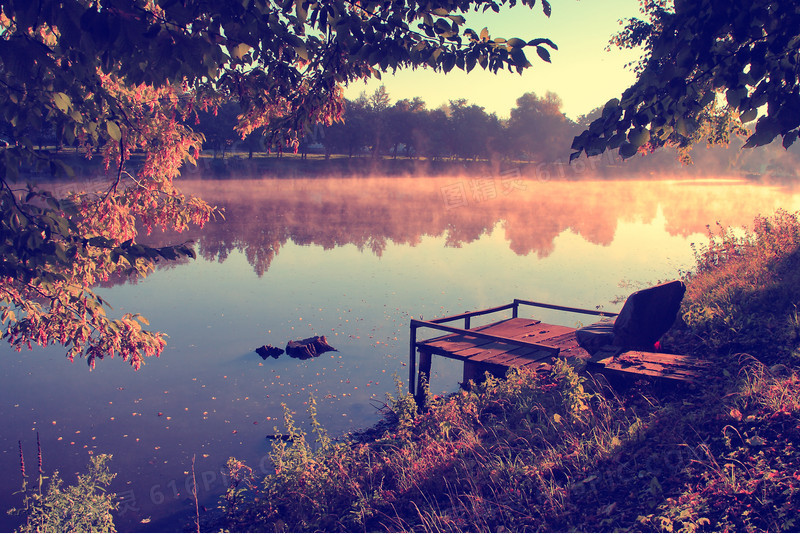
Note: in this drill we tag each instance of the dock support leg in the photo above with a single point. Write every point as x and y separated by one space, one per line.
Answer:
412 359
424 376
472 371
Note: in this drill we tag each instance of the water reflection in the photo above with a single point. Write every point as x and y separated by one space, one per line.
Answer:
261 216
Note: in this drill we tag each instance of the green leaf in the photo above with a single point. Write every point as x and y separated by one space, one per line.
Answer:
516 43
302 52
62 102
639 137
541 41
681 127
240 50
766 130
749 115
519 57
471 61
627 150
113 130
789 139
448 62
616 141
543 53
300 10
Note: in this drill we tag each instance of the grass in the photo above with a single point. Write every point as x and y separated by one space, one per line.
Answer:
743 294
538 452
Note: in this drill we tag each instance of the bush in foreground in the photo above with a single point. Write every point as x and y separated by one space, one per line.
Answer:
83 507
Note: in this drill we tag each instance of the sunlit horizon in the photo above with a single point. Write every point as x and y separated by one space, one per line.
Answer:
582 72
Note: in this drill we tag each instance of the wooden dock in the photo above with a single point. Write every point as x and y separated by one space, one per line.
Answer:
530 343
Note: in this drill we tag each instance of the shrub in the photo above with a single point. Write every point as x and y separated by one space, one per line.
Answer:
502 455
744 291
84 507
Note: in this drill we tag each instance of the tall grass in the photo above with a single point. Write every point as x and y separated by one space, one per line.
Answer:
743 295
505 455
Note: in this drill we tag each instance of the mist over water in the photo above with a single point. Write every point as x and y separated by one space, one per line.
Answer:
351 259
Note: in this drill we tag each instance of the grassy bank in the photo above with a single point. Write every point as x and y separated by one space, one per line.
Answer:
563 452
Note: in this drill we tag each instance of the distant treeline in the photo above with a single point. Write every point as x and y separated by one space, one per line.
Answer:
535 135
537 130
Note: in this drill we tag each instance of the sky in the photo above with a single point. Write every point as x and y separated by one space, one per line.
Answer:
582 73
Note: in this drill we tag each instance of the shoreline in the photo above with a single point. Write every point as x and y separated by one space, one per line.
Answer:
261 165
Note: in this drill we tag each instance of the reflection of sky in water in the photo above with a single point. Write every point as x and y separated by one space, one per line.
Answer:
211 395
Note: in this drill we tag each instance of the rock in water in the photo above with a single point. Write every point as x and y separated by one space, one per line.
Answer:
308 348
268 350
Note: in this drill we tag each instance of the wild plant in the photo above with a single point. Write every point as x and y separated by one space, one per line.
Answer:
743 293
84 507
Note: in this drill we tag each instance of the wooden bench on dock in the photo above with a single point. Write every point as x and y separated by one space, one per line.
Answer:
530 343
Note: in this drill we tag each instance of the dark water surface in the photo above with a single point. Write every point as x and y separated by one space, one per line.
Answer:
353 260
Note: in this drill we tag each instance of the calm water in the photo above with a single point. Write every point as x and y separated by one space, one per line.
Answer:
350 259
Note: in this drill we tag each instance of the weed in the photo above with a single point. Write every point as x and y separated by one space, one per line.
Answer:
84 507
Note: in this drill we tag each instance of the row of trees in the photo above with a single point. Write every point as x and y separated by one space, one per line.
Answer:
536 130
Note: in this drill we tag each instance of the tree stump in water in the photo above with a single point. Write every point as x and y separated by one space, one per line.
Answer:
308 348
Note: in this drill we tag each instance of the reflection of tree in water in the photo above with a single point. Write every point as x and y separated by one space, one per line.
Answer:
262 216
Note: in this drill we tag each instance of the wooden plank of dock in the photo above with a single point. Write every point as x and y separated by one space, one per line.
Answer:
680 367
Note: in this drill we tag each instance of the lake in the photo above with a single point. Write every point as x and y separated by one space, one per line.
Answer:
351 259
